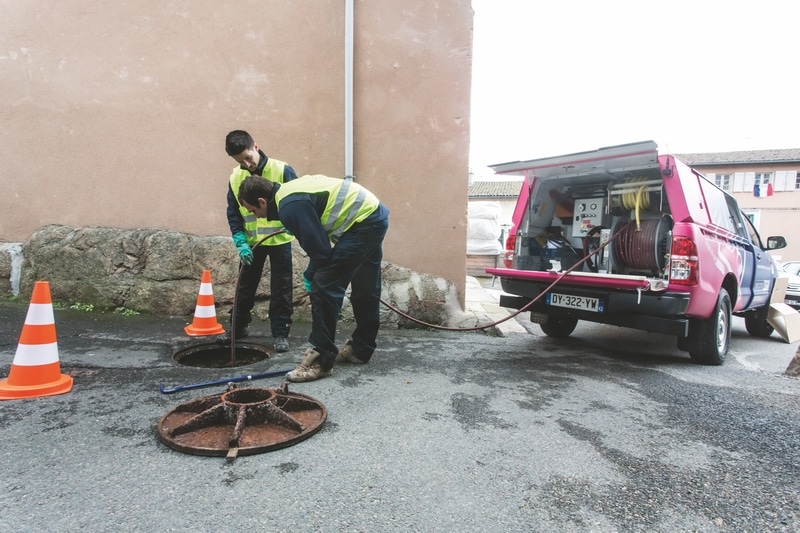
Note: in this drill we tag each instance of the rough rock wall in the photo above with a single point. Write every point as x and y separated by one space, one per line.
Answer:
157 271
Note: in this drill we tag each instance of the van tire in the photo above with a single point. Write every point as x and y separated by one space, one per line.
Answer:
709 339
756 323
559 327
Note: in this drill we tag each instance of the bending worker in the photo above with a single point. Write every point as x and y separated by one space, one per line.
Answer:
247 231
341 226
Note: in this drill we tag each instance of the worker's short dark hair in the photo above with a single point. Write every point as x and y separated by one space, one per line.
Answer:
253 188
237 142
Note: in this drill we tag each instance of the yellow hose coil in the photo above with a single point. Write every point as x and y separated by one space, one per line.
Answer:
636 200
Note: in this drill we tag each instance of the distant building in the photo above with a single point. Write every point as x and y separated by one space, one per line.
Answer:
766 183
502 194
505 192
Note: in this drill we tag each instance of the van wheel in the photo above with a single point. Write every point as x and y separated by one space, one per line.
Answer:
757 325
559 327
709 339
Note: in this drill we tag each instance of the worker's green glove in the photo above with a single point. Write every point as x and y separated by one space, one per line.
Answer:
306 283
245 253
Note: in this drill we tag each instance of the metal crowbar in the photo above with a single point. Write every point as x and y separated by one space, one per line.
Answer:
222 381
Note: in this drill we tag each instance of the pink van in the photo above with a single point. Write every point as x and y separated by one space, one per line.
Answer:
625 236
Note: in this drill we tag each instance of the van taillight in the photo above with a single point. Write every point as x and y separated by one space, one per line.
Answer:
508 256
683 267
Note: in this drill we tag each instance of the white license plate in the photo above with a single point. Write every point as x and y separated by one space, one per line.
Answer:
575 302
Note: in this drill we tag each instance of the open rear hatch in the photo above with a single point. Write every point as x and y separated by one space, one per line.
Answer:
615 161
575 203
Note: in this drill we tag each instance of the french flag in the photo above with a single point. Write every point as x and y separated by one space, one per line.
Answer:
762 190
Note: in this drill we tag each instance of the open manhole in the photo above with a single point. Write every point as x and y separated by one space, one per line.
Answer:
242 421
220 355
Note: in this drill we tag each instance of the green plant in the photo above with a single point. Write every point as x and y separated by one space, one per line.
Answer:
87 308
124 311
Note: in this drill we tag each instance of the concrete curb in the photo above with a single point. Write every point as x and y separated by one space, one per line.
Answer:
484 303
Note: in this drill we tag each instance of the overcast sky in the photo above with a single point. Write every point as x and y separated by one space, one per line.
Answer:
555 77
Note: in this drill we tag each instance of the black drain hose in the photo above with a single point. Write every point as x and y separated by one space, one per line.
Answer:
391 307
512 315
422 322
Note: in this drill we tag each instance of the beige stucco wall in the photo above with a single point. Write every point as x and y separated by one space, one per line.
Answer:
114 113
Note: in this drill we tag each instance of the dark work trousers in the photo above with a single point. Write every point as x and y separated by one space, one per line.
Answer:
356 261
280 283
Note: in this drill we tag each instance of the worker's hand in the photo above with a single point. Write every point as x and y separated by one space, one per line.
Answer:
245 253
306 283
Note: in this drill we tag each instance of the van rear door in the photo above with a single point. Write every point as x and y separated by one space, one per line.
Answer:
633 157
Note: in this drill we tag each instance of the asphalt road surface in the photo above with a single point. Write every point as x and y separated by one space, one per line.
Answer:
609 430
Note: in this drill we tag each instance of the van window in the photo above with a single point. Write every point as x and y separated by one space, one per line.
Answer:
717 203
753 233
737 217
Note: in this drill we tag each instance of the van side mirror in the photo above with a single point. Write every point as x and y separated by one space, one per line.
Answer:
775 242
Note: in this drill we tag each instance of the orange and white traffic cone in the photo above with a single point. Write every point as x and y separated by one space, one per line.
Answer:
205 314
36 371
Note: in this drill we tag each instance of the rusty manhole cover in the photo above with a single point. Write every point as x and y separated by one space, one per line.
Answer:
220 355
242 421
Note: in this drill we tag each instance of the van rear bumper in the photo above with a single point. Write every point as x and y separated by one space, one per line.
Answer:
657 312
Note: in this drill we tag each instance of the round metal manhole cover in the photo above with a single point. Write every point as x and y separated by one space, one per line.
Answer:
220 355
242 421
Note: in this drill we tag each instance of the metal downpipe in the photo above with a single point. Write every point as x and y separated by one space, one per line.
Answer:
348 90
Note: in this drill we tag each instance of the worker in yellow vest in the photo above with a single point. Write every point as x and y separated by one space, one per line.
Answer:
341 226
247 231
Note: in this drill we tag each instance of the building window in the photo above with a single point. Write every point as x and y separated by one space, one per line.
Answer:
723 181
797 181
763 178
754 215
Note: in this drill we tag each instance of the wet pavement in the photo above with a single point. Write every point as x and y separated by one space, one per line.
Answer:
440 432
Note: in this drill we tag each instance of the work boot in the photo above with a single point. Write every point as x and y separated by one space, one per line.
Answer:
308 369
281 344
241 334
346 354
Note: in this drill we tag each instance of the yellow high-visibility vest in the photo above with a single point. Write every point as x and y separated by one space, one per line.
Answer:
257 228
348 202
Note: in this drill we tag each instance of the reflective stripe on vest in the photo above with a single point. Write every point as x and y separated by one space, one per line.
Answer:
258 228
348 202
